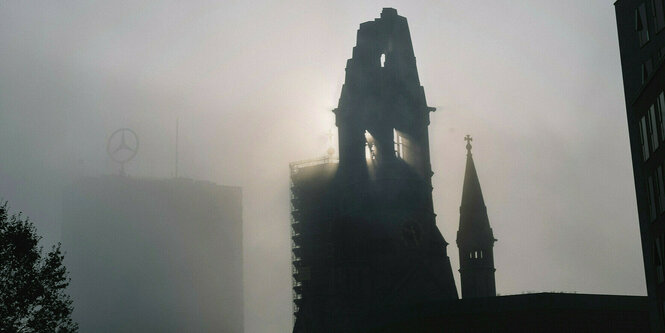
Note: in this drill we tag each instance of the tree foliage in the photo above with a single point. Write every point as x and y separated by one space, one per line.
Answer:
32 285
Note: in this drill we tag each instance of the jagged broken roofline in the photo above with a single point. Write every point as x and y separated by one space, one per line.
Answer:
295 166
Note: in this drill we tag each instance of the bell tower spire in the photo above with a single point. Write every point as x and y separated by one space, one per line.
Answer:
475 239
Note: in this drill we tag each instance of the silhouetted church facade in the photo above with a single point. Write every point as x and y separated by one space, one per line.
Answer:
367 254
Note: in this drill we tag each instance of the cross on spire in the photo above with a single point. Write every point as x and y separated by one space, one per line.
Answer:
468 140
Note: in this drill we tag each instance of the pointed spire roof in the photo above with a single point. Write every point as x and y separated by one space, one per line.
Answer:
472 195
473 213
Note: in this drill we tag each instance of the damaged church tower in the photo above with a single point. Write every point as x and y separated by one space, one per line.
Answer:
366 244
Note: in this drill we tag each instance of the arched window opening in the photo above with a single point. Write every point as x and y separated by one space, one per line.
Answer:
398 141
383 59
370 147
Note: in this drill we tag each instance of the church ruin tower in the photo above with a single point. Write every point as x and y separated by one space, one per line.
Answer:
366 246
382 114
386 236
475 239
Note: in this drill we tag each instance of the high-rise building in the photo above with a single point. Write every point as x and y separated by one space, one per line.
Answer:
377 249
154 255
475 238
641 32
312 218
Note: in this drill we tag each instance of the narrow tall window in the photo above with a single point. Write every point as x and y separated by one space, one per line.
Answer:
644 138
398 140
641 24
654 128
661 189
647 67
658 14
660 111
383 59
658 259
652 199
656 194
370 147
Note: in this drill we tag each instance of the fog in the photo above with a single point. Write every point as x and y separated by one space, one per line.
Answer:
536 83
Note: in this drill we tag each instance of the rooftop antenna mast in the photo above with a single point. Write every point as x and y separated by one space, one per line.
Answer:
176 145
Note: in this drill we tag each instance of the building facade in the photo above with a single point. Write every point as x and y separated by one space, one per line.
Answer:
640 26
312 216
154 255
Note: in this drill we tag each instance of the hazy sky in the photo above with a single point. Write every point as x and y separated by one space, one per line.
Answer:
536 83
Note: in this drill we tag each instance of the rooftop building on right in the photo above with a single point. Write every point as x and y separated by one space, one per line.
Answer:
641 29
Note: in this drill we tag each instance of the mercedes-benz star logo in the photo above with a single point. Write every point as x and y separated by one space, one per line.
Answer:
122 146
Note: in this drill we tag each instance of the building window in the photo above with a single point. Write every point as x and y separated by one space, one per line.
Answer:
660 54
654 128
641 24
644 138
660 112
398 141
369 153
652 199
661 189
658 14
657 190
370 146
647 67
658 259
383 59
